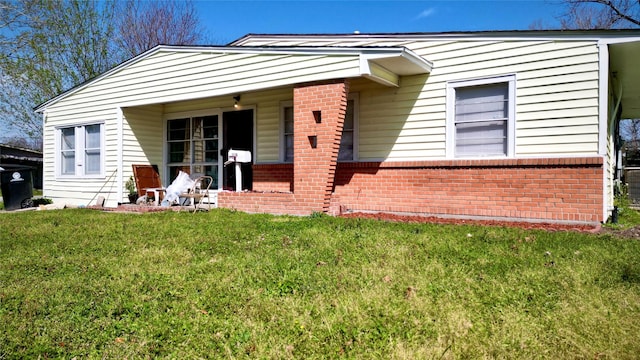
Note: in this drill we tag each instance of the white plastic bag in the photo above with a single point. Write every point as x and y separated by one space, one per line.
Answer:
181 184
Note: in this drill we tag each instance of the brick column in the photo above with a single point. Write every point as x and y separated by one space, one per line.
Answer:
319 111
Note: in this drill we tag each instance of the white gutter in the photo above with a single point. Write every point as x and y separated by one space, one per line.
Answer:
603 128
603 96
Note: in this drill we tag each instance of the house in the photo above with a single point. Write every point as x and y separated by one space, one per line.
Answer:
510 124
18 157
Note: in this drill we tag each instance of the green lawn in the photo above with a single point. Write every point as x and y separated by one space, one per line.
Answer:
86 284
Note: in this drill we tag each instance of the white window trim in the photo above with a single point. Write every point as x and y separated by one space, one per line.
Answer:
79 152
165 143
451 112
355 97
282 150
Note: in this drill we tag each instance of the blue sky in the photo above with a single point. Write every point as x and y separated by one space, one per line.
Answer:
226 21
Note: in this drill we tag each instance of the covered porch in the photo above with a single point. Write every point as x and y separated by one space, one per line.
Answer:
243 110
624 105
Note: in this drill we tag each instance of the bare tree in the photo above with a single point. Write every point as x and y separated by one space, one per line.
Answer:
49 46
601 14
145 24
630 133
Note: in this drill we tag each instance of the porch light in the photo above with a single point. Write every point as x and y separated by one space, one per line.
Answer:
237 100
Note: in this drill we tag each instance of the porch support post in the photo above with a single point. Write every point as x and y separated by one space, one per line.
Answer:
119 144
319 112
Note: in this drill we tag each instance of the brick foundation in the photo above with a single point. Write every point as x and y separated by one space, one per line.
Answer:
558 189
273 177
551 189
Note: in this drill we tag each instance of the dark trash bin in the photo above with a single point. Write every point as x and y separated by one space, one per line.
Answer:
17 188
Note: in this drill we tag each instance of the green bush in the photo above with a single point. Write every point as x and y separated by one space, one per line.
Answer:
41 201
627 216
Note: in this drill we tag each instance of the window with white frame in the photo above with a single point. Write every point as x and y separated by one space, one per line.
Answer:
80 150
287 131
481 117
348 141
349 131
192 146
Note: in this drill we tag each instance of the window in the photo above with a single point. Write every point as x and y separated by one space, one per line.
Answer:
80 150
192 146
480 117
287 131
348 141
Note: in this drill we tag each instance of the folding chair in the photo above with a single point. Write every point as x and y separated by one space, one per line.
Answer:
199 192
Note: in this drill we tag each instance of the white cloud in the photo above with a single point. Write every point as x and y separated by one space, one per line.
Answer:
426 13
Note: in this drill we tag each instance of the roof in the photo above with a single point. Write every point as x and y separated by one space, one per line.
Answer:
542 34
18 153
382 64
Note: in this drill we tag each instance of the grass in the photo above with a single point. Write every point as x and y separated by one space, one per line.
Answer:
87 284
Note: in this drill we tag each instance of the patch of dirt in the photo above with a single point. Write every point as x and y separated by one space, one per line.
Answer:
131 208
438 220
631 233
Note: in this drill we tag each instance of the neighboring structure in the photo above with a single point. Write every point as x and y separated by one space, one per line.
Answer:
490 124
16 157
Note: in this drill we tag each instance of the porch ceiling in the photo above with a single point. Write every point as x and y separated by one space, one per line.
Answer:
624 60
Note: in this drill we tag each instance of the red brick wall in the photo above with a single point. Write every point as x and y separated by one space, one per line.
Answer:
312 174
568 189
262 202
273 177
314 168
551 189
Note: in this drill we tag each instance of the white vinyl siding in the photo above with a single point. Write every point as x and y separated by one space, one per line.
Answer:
268 117
556 103
169 76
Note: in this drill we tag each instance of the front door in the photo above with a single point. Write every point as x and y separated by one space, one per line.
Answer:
237 134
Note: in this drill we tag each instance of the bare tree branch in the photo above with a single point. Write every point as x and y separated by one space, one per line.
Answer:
144 25
622 12
601 14
49 46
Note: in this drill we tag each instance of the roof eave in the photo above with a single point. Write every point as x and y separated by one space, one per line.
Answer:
403 61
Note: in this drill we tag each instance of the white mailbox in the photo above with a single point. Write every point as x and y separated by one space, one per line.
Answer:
238 157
